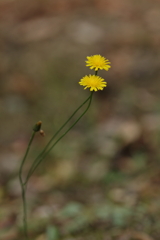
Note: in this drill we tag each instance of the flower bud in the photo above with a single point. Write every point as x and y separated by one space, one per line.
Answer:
37 126
42 133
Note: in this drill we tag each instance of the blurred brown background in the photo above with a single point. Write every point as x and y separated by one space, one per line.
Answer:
102 180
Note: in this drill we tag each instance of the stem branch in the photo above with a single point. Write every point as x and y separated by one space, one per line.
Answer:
23 188
38 161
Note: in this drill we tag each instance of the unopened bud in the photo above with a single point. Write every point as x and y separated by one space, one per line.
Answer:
42 133
37 126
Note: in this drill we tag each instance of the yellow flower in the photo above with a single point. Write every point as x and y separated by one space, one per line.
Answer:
93 82
97 62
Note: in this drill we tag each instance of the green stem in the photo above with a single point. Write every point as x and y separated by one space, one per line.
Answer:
40 156
34 166
25 225
23 187
24 158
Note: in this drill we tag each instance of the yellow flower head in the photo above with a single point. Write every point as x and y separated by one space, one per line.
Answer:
93 82
97 62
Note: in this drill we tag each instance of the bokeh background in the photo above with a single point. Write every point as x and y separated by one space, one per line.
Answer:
102 181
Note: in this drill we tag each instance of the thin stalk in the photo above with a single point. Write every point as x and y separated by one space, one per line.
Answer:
23 187
25 224
46 153
40 156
